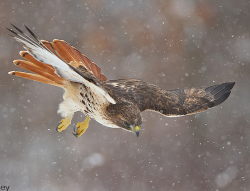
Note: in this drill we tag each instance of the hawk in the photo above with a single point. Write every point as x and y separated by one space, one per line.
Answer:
113 103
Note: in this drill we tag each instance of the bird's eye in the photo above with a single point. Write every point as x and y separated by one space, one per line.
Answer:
126 123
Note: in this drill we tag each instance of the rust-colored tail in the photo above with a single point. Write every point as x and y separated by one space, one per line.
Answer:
43 57
43 72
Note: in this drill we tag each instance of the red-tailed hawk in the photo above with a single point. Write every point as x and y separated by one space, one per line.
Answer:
114 103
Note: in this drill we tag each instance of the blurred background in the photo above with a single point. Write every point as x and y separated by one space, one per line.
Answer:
174 44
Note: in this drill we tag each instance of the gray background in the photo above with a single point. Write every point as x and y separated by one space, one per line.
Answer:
173 44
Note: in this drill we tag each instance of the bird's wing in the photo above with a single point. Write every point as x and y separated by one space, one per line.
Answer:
56 62
194 100
171 102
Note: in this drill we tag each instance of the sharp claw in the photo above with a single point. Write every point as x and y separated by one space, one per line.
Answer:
74 131
75 134
74 128
58 126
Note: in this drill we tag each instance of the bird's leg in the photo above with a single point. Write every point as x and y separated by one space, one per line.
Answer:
81 127
64 123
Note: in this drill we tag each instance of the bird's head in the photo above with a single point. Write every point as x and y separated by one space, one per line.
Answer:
126 116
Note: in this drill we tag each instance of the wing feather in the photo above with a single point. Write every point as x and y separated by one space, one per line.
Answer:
171 102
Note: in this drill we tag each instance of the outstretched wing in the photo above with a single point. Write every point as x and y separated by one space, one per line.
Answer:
195 100
57 62
171 102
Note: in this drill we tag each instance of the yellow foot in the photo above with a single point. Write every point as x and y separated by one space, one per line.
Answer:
63 124
80 128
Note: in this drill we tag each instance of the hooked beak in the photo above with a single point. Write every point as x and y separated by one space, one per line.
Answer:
137 133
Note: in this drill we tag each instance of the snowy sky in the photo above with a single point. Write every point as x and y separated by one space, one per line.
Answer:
174 44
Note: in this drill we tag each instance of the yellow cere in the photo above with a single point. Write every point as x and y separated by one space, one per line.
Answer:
137 128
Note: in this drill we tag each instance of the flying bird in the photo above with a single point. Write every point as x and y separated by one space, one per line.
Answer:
113 103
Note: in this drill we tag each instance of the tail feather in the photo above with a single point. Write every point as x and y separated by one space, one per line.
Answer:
65 49
93 66
75 58
40 52
51 48
40 71
49 69
58 54
35 77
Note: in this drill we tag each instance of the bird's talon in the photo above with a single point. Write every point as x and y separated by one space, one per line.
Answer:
80 128
63 124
